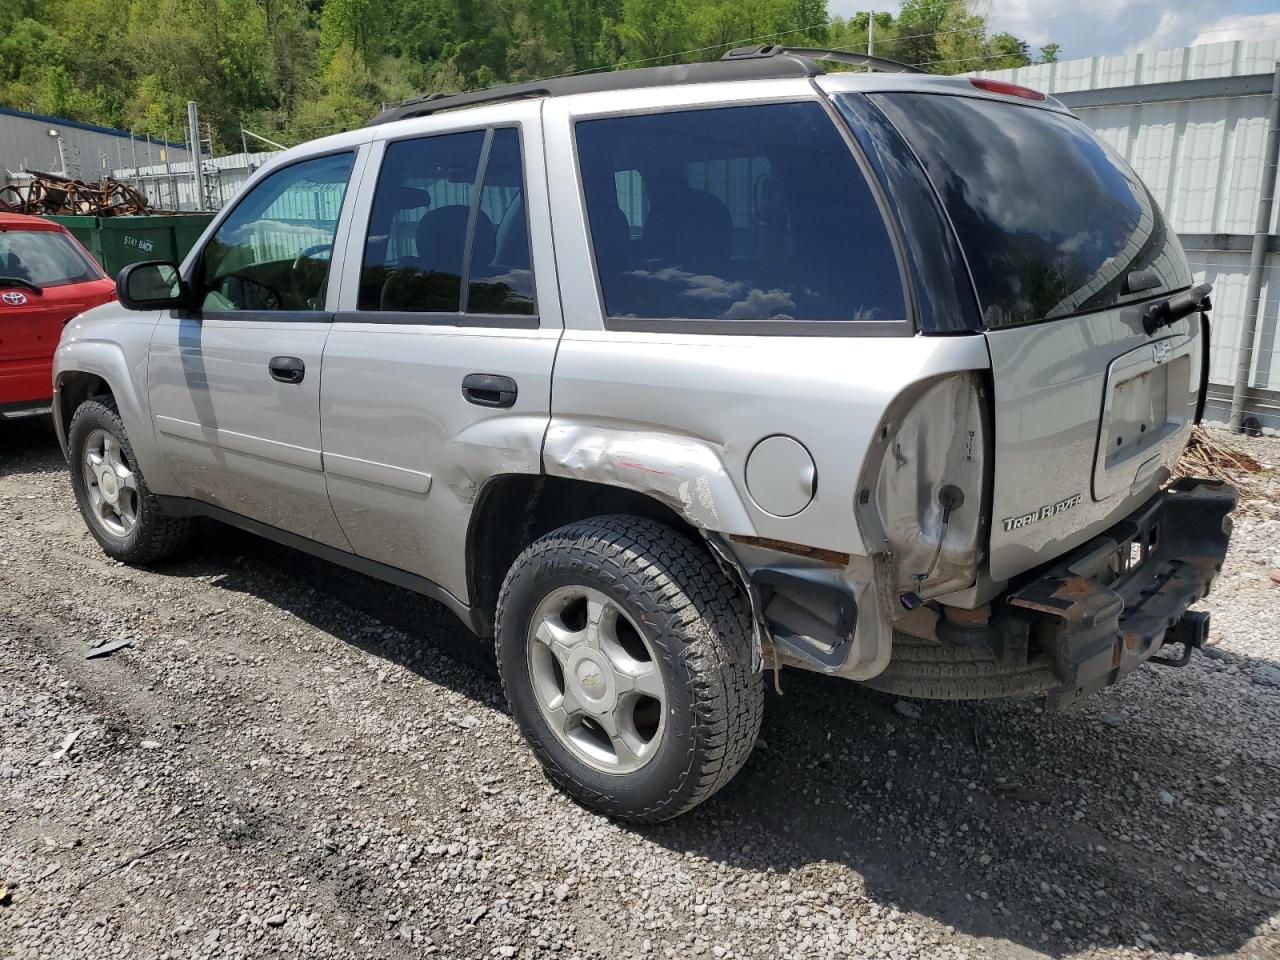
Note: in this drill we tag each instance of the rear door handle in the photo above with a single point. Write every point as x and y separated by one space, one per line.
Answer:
489 390
287 369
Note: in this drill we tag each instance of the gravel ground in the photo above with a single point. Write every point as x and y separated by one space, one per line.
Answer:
291 760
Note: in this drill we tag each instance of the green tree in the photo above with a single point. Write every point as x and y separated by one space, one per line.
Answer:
299 68
918 27
358 24
1004 51
653 31
347 97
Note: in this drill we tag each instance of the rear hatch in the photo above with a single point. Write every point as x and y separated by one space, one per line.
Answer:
1066 248
46 278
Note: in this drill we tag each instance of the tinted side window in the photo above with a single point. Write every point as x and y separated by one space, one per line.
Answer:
416 249
272 252
735 213
425 208
501 278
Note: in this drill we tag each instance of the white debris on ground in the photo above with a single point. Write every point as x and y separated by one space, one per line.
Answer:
292 761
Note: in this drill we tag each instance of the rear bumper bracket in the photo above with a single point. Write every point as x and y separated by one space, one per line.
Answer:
1116 601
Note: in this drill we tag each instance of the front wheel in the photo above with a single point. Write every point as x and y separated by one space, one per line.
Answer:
625 655
121 513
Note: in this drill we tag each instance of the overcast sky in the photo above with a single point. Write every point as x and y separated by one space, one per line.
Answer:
1086 28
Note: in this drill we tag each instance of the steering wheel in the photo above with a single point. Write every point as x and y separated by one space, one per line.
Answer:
310 252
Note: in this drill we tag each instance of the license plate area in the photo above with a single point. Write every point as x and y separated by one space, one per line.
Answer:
1139 411
1148 406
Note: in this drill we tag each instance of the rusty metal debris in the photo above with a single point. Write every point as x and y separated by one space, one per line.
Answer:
49 194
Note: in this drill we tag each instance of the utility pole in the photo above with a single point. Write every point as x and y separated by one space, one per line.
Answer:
197 166
1257 259
871 34
168 173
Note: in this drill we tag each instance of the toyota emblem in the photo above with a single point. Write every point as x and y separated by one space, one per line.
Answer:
13 298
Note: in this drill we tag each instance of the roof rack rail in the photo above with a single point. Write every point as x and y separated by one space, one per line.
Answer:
878 64
744 63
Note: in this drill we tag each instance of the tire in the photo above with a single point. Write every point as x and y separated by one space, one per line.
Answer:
152 535
695 625
931 670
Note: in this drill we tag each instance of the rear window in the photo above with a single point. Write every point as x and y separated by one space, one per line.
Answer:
1053 222
44 257
753 213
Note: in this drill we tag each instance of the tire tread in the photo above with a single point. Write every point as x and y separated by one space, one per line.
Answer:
637 554
160 536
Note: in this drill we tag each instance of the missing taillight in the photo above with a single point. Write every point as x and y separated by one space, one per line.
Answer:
1007 89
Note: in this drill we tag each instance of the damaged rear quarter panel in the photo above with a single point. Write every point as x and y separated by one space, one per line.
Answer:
675 416
684 473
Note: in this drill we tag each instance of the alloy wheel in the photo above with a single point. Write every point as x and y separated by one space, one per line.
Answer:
596 679
111 484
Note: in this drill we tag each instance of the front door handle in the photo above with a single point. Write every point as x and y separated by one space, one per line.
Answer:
287 369
489 390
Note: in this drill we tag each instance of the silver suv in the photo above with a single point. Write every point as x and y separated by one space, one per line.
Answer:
665 377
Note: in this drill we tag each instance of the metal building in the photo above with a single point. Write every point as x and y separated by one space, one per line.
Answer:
1193 122
171 185
33 141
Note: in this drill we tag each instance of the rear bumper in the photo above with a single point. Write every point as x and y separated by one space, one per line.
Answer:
1111 604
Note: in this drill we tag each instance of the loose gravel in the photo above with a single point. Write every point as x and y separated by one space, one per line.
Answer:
290 760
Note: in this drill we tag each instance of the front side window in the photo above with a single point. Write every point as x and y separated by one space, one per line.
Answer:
46 258
437 243
735 213
273 251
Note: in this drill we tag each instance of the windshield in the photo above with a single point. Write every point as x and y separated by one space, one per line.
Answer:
46 258
1053 222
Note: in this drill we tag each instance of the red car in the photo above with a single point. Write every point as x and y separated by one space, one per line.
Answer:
46 278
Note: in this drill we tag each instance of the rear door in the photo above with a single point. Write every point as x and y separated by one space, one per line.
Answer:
437 372
235 384
1065 246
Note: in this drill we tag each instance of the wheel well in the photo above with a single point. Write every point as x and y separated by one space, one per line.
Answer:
74 389
514 510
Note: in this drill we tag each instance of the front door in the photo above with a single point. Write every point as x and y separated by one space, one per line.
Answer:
235 384
437 372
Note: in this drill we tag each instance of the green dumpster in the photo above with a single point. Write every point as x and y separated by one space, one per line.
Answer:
119 241
84 229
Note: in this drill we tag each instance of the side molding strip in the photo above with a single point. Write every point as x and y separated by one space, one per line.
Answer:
252 446
370 471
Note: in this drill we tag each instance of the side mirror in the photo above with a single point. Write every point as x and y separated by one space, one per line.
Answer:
151 285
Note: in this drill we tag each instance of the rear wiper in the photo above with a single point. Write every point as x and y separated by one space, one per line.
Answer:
1164 313
19 282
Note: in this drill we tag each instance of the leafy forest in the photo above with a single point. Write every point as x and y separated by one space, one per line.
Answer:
296 69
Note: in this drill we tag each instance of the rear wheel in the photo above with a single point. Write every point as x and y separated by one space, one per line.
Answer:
625 655
120 511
